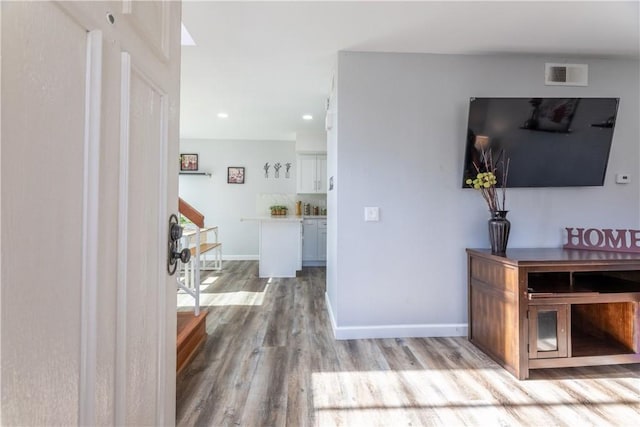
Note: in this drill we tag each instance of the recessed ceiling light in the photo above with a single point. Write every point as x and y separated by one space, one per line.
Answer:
307 117
223 116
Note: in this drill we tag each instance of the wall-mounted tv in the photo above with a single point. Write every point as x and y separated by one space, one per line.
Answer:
550 142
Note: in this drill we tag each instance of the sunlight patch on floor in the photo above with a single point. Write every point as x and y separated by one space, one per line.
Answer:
224 298
360 398
205 283
381 397
209 280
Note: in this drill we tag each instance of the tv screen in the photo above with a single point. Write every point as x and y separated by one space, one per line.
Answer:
550 142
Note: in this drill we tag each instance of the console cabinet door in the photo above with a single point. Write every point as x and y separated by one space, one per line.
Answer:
549 331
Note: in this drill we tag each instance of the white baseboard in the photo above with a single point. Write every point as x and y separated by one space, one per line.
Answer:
400 331
240 257
394 331
314 263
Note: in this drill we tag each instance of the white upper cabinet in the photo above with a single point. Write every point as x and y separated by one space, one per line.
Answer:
312 173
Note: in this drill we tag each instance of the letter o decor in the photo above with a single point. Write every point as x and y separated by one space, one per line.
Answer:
595 239
589 233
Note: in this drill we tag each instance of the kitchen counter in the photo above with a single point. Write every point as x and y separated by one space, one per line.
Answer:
280 245
295 218
287 218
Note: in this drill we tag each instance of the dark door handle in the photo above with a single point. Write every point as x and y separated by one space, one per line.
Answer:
175 233
184 255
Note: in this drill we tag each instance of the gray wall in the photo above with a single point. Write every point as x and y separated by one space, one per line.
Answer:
399 145
224 204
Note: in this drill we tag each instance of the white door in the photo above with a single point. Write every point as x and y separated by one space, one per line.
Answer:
89 133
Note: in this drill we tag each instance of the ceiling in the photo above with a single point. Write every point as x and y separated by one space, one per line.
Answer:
266 64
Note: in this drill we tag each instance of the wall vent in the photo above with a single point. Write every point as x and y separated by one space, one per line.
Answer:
566 74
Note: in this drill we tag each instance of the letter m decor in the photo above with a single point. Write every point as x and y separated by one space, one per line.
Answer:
605 239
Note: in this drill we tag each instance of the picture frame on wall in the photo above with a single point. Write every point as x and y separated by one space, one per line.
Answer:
188 162
235 175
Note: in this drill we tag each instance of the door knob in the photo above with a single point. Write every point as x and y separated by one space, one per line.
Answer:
175 233
184 255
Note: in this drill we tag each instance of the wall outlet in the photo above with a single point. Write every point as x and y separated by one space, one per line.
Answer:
371 214
623 178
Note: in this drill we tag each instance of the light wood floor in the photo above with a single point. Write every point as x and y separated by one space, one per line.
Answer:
271 360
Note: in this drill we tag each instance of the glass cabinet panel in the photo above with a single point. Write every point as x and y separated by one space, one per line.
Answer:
548 331
547 339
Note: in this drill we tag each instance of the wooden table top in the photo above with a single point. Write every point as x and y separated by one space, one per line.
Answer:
533 256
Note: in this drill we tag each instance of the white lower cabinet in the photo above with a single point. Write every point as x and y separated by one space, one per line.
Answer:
314 242
322 240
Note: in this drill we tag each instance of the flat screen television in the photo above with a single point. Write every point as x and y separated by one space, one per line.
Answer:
550 142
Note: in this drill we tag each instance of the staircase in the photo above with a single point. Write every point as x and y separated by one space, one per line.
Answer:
191 213
192 330
192 333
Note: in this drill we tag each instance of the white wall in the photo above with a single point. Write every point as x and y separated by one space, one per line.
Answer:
401 131
311 142
224 204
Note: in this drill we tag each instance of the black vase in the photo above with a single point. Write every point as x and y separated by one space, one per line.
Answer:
499 227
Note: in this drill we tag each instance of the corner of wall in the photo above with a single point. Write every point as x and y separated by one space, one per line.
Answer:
332 318
1 205
332 203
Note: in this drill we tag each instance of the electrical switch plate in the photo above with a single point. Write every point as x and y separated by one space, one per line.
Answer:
371 214
623 178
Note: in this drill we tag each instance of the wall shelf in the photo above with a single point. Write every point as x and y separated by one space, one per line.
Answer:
196 173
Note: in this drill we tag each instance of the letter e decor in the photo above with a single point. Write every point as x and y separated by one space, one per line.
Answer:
606 239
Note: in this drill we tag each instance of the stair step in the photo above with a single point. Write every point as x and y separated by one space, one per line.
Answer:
192 333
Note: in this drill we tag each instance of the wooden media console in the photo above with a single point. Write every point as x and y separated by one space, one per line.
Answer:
551 307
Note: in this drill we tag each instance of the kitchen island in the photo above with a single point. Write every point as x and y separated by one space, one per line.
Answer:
280 245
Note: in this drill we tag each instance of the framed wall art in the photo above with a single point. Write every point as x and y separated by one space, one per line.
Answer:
235 175
188 162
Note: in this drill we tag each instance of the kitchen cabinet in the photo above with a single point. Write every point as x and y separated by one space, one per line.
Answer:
314 242
312 173
322 240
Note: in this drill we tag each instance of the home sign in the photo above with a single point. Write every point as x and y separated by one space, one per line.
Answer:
606 239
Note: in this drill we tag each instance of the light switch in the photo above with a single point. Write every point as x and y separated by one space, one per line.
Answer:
371 214
623 178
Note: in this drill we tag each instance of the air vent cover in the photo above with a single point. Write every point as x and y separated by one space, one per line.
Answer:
566 74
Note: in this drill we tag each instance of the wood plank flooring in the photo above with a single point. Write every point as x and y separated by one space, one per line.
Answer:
271 360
